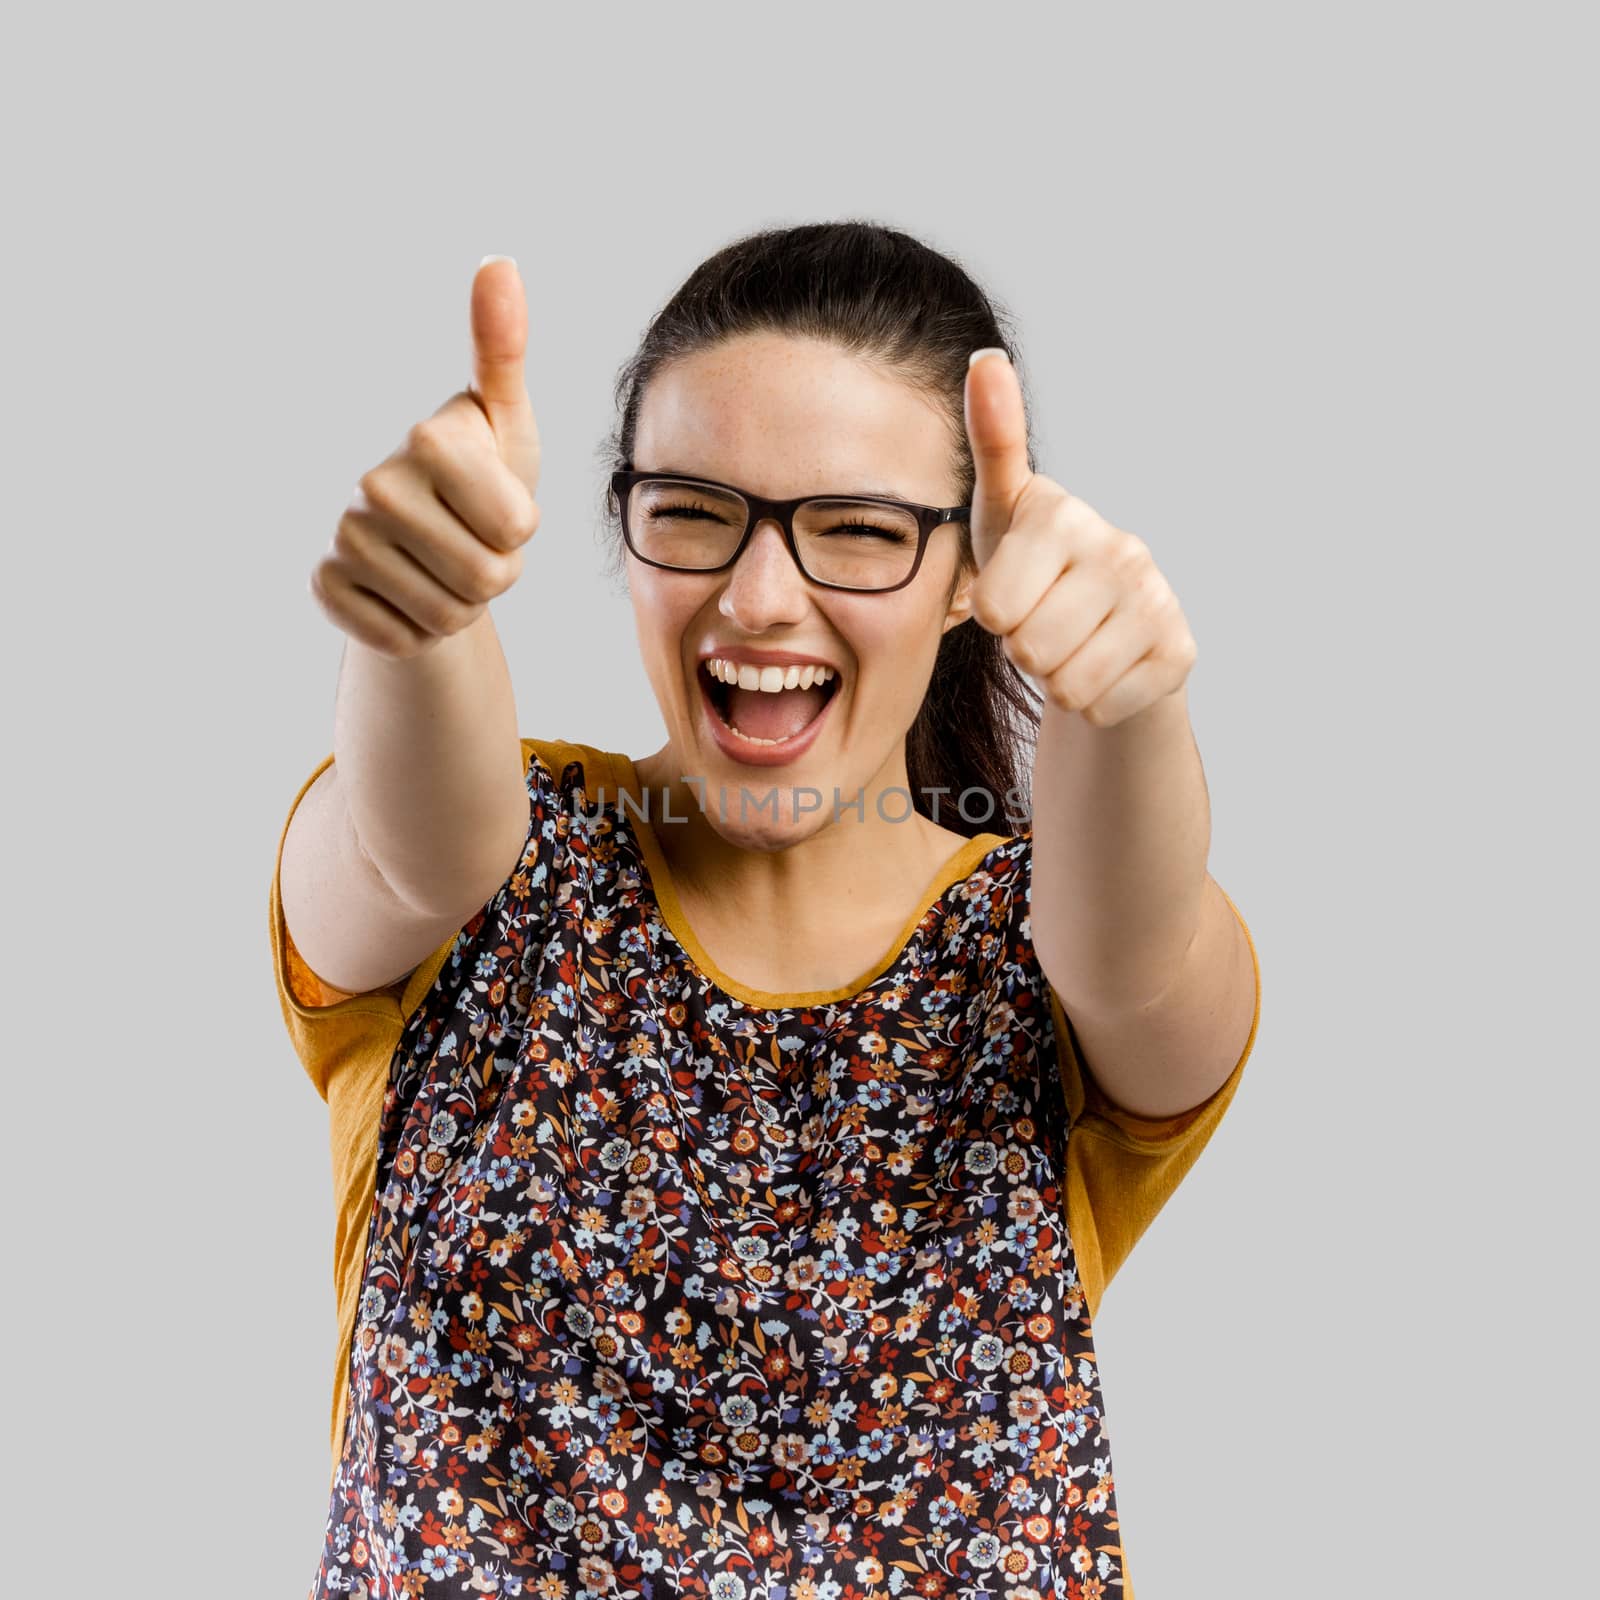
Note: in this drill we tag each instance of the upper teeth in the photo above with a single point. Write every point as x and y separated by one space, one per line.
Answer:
768 679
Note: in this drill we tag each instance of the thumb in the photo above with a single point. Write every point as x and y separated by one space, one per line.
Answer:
499 338
997 430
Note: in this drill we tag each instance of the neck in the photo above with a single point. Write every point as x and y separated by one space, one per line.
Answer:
835 859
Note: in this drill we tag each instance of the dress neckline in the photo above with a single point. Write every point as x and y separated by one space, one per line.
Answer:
625 776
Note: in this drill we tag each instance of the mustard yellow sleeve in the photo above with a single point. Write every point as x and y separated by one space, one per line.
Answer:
1122 1168
345 1043
326 1036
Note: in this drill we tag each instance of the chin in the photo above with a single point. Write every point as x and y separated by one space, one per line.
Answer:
752 807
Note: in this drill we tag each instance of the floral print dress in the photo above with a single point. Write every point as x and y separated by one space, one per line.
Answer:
667 1292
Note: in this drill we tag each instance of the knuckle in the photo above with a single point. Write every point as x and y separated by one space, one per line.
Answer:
513 529
328 591
1153 592
463 411
485 577
1131 557
509 521
318 584
524 520
426 439
377 489
350 538
507 570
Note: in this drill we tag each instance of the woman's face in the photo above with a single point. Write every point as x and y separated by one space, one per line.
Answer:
784 417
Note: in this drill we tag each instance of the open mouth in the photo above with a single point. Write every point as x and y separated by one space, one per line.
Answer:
769 718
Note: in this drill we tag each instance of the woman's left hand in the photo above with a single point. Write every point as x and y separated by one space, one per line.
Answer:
1081 606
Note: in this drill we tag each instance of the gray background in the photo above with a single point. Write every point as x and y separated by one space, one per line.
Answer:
1305 300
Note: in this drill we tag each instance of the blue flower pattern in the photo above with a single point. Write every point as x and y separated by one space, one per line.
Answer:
667 1293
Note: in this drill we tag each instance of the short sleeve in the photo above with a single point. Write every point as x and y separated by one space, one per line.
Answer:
347 1044
1122 1168
328 1027
304 984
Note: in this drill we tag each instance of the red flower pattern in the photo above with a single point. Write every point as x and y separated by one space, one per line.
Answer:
666 1293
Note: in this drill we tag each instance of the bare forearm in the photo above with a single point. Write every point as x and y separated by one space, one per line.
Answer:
1122 831
429 762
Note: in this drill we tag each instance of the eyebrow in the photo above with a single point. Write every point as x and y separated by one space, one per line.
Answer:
886 493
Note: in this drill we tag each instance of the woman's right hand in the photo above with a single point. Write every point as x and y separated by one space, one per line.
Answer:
435 532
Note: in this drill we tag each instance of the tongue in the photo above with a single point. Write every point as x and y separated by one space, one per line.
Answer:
774 716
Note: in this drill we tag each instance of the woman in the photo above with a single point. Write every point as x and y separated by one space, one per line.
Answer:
732 1145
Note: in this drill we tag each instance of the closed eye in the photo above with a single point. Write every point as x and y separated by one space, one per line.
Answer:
892 535
684 513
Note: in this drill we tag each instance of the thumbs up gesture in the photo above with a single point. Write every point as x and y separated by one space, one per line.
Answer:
435 531
1081 606
499 341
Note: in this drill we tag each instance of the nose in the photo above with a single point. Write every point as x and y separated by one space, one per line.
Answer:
765 586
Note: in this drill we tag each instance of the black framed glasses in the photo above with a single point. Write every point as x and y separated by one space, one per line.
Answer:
861 542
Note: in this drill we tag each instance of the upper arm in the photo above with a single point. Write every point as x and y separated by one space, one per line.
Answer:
347 924
1122 1166
1174 1053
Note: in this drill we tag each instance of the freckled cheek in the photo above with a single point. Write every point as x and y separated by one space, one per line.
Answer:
893 659
663 617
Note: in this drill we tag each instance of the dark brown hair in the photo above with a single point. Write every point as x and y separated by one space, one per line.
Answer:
882 295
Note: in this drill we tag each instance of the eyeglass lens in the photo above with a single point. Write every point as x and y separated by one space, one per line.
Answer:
857 543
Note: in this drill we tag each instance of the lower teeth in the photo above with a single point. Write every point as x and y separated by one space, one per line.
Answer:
751 738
